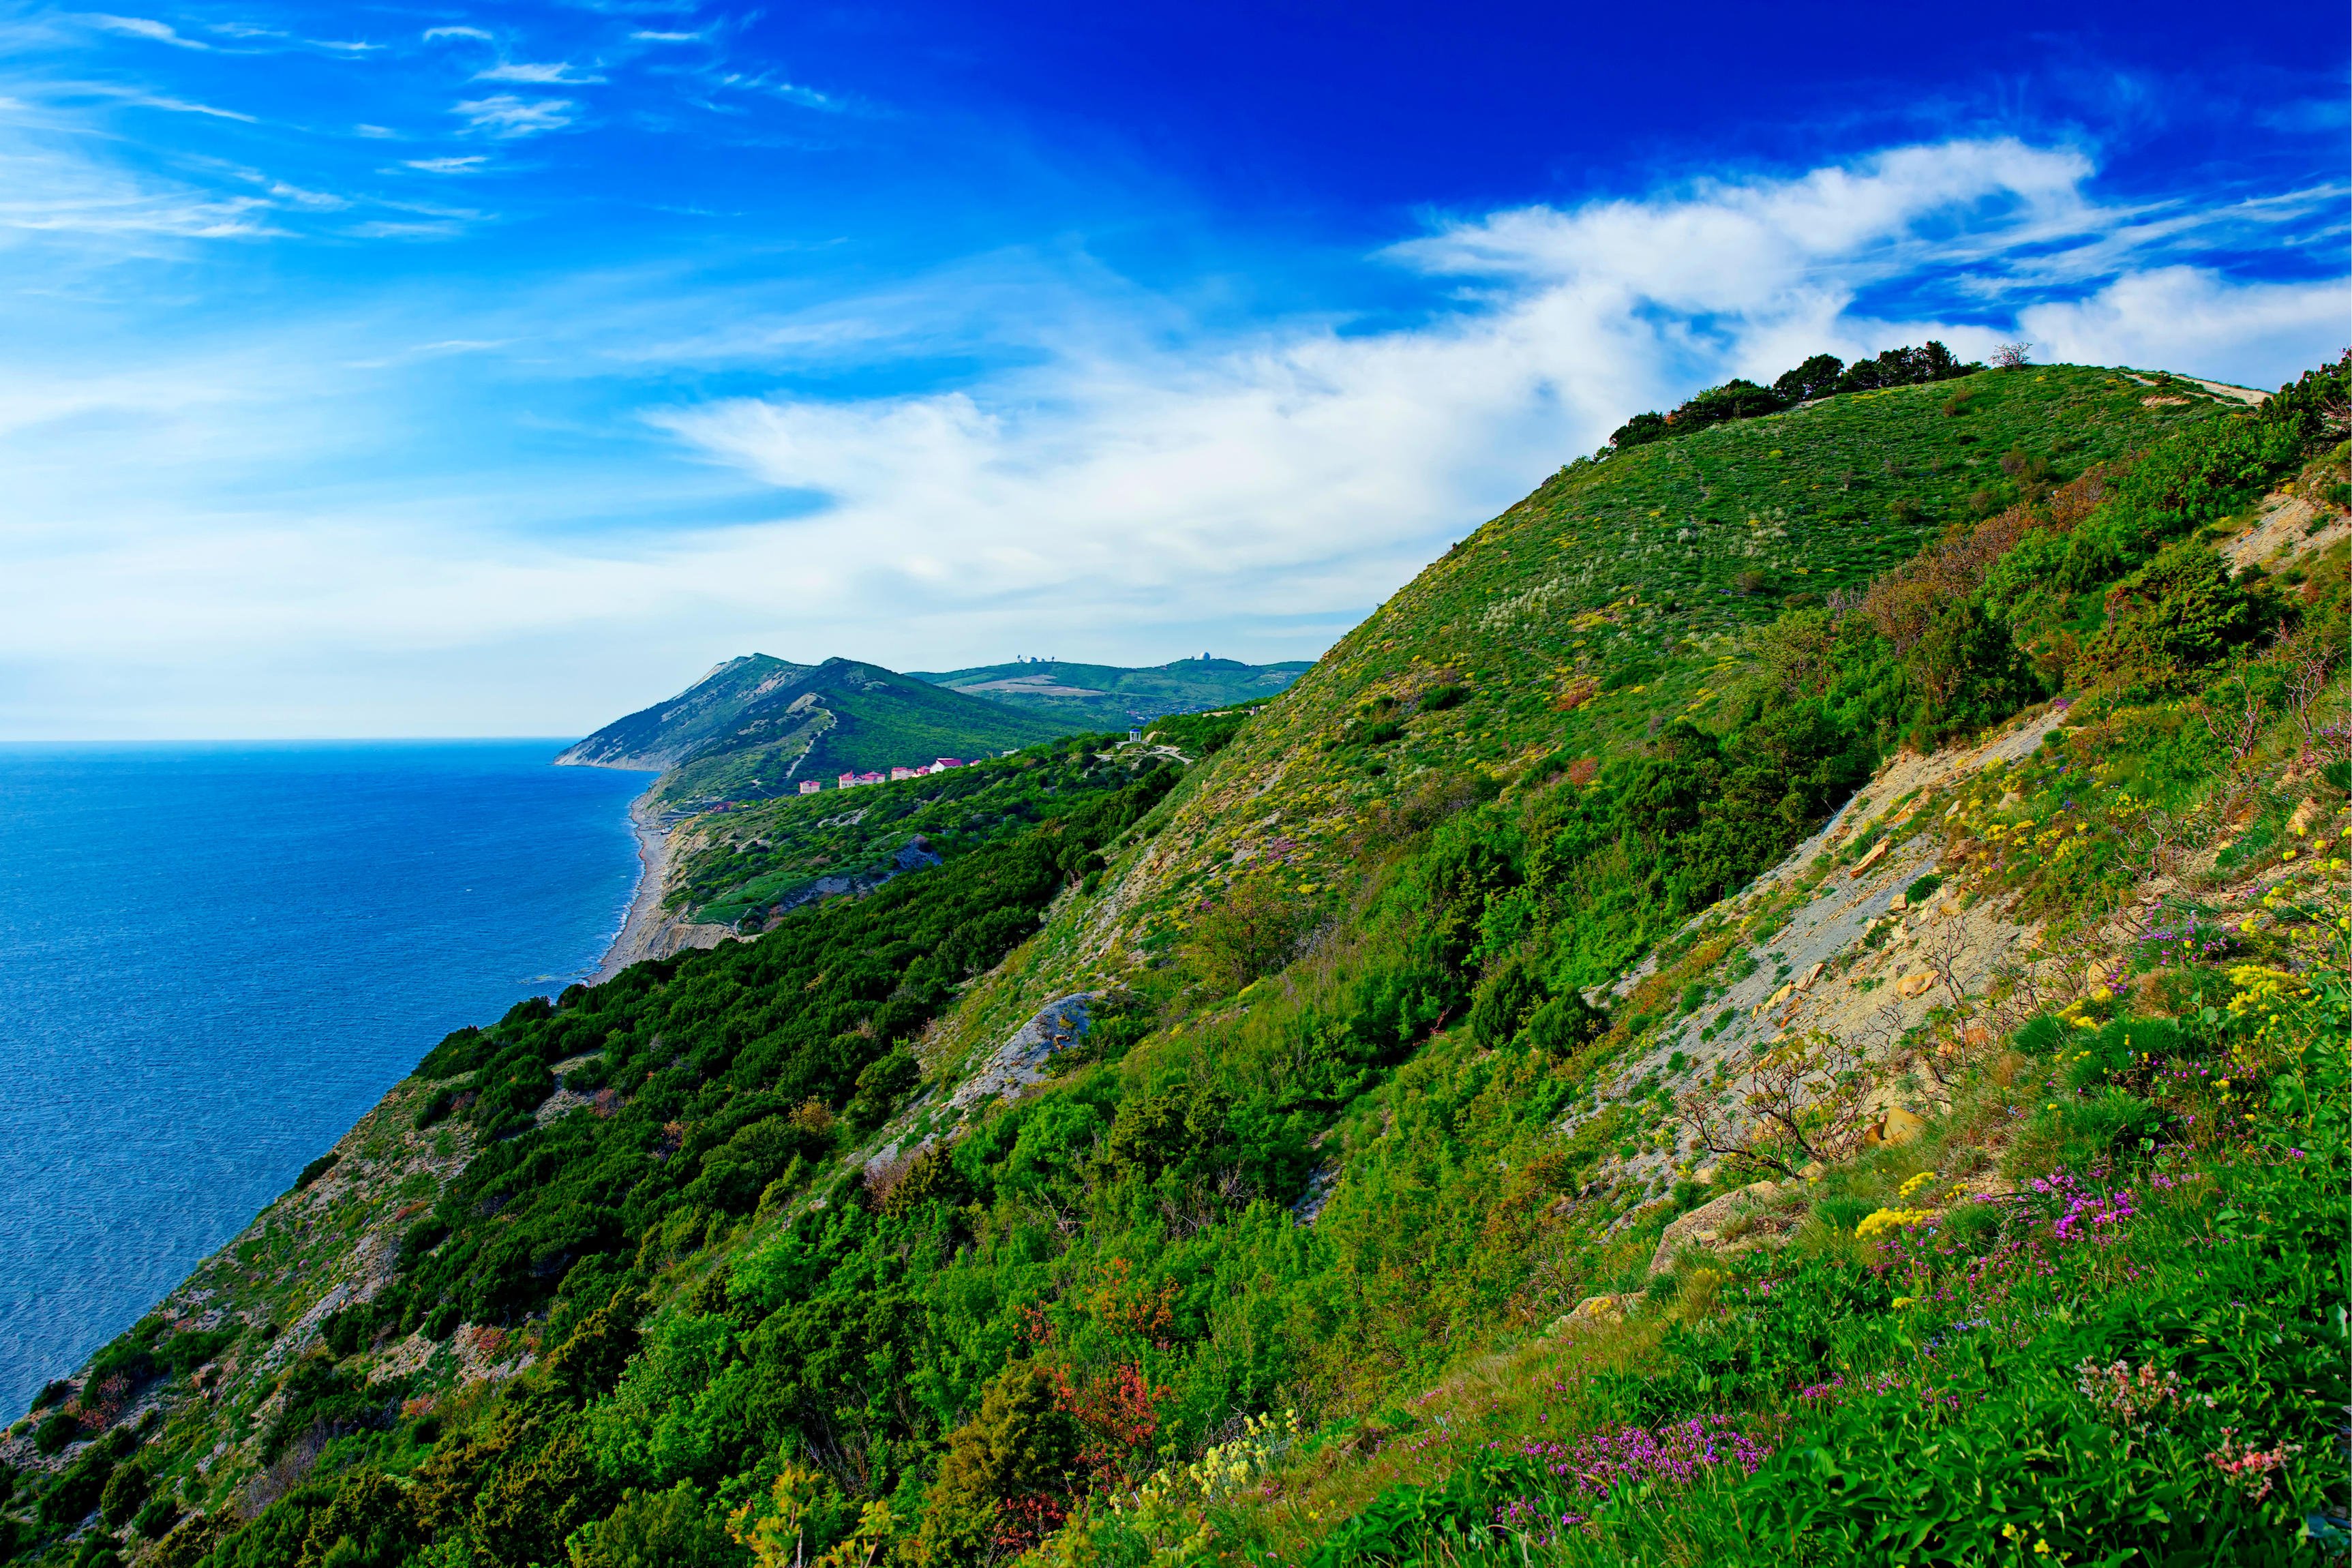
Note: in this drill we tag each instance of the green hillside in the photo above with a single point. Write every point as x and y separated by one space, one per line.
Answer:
1401 1125
753 862
1109 697
656 737
843 716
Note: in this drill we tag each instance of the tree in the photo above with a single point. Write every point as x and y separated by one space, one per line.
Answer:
656 1530
1817 377
1006 1471
1252 931
1510 992
2180 613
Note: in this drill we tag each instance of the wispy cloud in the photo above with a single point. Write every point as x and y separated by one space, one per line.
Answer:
2194 319
182 105
505 115
144 27
312 201
397 228
551 73
60 190
455 32
808 97
448 166
1145 481
441 349
644 36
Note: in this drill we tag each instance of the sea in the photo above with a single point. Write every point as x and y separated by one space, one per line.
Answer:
215 958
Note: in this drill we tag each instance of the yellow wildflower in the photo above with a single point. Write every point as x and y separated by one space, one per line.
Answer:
1891 1219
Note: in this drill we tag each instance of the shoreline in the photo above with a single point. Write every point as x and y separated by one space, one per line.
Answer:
649 931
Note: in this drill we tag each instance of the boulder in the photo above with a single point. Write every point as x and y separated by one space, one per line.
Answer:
1898 1126
1705 1225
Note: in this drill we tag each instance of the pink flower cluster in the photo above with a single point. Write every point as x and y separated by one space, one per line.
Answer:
1597 1464
1837 1391
2247 1467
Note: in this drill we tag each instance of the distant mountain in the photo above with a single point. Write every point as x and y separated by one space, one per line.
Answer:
668 732
1110 697
756 726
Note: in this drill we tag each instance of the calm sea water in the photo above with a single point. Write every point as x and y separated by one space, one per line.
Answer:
213 959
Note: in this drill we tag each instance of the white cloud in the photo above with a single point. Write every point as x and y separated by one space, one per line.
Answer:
396 228
143 27
455 32
555 72
646 38
505 115
59 191
2195 320
182 105
448 166
312 201
1144 487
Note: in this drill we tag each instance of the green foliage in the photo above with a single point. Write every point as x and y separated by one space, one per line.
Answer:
671 1529
764 860
2177 617
1332 1174
1006 1471
846 716
1109 697
1822 375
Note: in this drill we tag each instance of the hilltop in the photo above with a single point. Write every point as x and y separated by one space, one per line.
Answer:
1781 1002
756 726
705 713
1109 697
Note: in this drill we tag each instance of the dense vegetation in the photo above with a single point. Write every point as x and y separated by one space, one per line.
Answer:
751 862
1109 697
1822 375
844 716
1260 1274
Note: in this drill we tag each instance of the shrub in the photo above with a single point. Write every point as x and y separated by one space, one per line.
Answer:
1252 931
880 1087
671 1529
2178 615
1006 1470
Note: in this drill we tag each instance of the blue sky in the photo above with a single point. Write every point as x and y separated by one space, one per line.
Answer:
441 370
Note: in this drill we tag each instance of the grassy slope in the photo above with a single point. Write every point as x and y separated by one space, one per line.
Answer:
844 716
1590 610
1444 1239
767 853
2147 1186
1112 697
711 708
